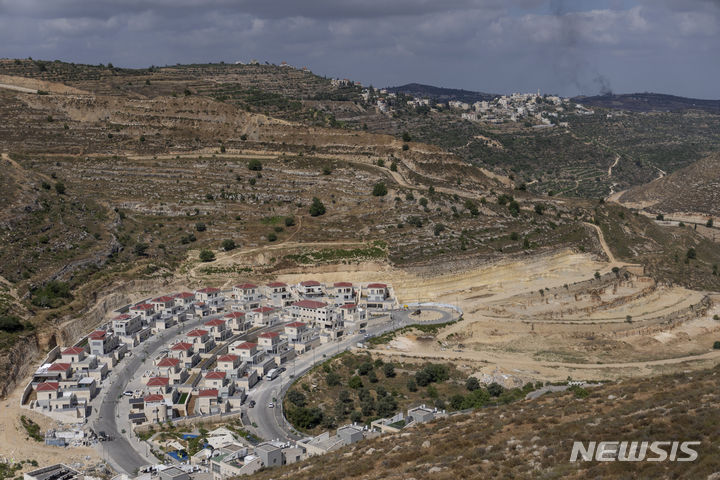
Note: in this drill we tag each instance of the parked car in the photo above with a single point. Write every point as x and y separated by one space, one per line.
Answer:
271 405
252 403
128 393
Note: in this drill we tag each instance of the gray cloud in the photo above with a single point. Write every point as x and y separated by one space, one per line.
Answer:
490 45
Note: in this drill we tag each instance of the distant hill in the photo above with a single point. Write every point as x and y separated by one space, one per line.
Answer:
649 102
441 94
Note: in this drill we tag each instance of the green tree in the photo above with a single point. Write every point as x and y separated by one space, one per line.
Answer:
495 389
379 190
716 345
297 398
691 253
200 227
228 244
10 323
60 188
411 385
389 370
514 208
355 382
393 166
472 384
406 137
332 379
255 165
317 208
206 255
272 236
289 221
539 208
709 223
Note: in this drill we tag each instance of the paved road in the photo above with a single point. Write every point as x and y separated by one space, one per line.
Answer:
270 422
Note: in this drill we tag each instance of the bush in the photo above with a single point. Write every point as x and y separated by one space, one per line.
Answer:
716 345
289 221
272 236
255 165
709 223
439 228
60 188
405 147
317 208
389 370
305 418
372 376
297 398
406 137
10 323
514 208
379 190
539 208
228 244
393 166
200 227
472 384
326 171
691 253
52 294
206 255
332 379
386 406
411 385
495 389
365 368
355 382
140 249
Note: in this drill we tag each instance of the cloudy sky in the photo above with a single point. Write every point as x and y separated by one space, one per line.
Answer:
567 47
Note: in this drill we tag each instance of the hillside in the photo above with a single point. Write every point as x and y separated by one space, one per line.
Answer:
441 94
694 189
533 438
649 102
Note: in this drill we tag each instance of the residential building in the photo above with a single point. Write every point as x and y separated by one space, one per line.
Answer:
310 288
127 325
102 342
278 294
343 292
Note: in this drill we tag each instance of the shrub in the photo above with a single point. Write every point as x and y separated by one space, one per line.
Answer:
272 236
393 166
405 147
389 370
206 255
332 379
439 228
660 216
200 227
140 249
228 244
255 165
10 323
289 221
355 382
423 202
365 368
386 406
472 384
52 294
317 208
60 188
406 137
305 418
709 223
379 190
372 376
495 389
539 208
298 398
716 345
691 253
411 385
514 208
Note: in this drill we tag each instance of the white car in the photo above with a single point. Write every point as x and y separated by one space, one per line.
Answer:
128 393
271 405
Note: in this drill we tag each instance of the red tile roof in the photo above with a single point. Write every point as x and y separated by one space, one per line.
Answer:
97 335
263 310
310 283
377 285
143 306
158 382
309 304
168 362
58 367
73 351
181 346
276 284
227 358
349 305
246 346
208 290
295 324
163 299
184 295
155 397
269 335
197 333
47 387
235 315
215 322
215 375
342 284
124 316
210 392
246 286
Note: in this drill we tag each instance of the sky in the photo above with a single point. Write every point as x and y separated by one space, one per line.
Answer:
500 46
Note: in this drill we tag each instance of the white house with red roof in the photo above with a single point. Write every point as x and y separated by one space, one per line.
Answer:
297 332
73 355
310 288
46 391
64 370
271 342
215 379
185 352
171 367
228 362
238 322
102 342
146 311
263 316
184 299
160 385
278 294
127 325
157 408
210 295
247 293
342 292
165 302
202 341
353 315
248 352
377 293
208 401
311 311
218 329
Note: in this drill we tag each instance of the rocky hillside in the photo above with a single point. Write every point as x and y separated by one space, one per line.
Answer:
533 439
694 189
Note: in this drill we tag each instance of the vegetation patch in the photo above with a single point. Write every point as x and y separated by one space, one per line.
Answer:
375 251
